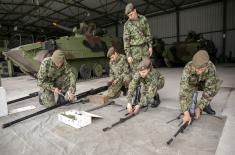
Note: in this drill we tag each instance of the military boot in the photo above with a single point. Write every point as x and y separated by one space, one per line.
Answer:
209 110
156 101
124 90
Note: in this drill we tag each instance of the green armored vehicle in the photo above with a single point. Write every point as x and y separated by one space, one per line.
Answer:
85 51
158 49
179 54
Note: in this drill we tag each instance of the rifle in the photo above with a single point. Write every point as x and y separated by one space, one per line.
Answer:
135 101
31 95
181 130
184 126
79 96
129 116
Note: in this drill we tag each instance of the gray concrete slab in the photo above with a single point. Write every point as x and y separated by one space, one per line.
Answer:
145 133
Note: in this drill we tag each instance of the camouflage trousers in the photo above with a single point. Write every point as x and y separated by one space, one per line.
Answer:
138 54
186 97
147 94
115 89
47 97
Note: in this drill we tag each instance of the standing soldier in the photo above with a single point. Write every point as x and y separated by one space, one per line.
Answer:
55 77
136 37
119 73
144 86
198 75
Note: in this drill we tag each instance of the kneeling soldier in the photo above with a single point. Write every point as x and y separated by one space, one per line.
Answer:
144 86
198 75
119 73
55 77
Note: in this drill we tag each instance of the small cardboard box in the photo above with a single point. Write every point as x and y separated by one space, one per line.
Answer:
100 99
76 118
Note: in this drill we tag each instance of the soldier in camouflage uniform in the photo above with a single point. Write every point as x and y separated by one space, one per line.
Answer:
136 37
144 86
198 75
55 77
119 73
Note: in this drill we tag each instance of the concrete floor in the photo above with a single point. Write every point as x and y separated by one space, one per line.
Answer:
145 133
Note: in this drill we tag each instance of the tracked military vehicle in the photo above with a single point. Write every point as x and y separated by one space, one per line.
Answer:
85 51
180 53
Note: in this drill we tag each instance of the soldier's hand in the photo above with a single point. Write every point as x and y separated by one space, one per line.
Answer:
129 108
115 81
70 96
197 113
137 109
130 60
56 91
150 51
186 118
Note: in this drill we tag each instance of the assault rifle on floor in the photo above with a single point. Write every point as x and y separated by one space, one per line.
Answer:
129 116
135 101
79 96
31 95
184 126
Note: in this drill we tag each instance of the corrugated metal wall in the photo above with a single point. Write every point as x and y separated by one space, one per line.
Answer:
230 42
203 19
164 26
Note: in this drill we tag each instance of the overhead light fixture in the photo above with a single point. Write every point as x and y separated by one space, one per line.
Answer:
15 28
87 14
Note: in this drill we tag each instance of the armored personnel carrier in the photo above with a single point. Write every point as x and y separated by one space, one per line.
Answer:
180 53
85 51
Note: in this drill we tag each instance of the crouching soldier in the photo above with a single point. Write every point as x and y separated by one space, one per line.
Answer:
119 74
144 86
55 78
198 75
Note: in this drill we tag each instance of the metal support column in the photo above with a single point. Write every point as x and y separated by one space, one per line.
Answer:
178 24
116 29
224 29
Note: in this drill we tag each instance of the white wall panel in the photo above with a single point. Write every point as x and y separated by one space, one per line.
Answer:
230 14
163 26
201 19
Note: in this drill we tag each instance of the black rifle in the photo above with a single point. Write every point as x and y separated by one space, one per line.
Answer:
184 126
79 96
135 101
181 130
31 95
119 122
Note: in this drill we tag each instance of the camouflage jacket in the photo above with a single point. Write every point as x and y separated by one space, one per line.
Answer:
190 82
48 74
136 33
149 86
119 68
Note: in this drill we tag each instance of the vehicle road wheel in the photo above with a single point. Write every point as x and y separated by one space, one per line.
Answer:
85 71
97 70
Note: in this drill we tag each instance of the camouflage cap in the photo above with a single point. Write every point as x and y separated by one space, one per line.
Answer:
110 51
129 8
144 64
200 59
57 56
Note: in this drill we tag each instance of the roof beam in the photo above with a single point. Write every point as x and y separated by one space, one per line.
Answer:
79 5
12 10
157 6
